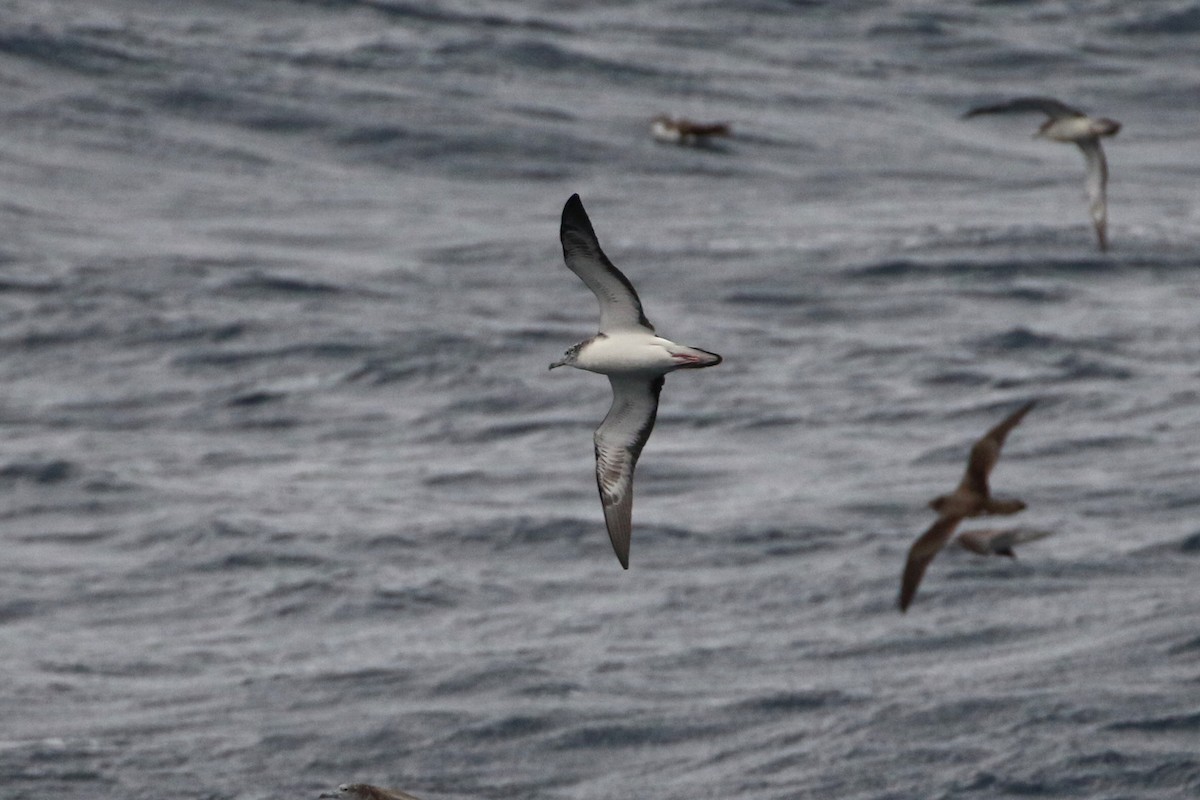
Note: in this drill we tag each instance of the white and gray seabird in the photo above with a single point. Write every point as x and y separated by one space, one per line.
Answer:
1066 124
634 358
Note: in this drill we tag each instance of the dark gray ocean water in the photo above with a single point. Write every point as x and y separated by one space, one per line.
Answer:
290 499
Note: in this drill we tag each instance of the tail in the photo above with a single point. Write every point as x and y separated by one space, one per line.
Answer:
693 357
713 358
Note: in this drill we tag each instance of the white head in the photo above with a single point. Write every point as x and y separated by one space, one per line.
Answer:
570 357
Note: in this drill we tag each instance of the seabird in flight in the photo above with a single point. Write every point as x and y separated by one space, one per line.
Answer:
1066 124
972 498
634 358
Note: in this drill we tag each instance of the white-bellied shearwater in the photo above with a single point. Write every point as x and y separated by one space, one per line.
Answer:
999 541
635 360
1066 124
365 791
972 498
677 130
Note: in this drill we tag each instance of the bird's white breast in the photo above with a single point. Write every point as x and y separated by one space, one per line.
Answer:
664 131
1070 129
627 353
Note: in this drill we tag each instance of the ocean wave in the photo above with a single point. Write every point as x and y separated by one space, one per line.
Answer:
1153 21
74 50
43 472
327 350
281 285
616 736
790 703
1187 722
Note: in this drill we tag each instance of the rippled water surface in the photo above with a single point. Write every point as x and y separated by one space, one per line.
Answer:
290 499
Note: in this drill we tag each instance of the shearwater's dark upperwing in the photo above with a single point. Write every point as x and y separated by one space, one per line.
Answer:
921 553
1097 180
619 441
620 308
1046 105
986 452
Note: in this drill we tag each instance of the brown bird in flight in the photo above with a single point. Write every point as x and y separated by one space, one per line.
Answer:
972 498
365 791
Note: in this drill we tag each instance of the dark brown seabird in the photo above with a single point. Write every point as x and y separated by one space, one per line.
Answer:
365 791
972 498
634 358
1070 125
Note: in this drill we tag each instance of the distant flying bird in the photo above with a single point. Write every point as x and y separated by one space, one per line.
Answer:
972 498
999 541
365 791
635 360
684 131
1066 124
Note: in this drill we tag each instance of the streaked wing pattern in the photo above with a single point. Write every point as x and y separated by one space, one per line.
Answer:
619 441
620 308
1097 181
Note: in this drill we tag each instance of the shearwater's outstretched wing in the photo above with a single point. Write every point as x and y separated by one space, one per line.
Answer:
1046 105
620 308
986 452
1097 181
619 441
999 541
921 553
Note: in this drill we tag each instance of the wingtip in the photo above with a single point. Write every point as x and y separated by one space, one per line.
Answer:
622 556
1024 409
907 593
574 216
978 111
617 520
